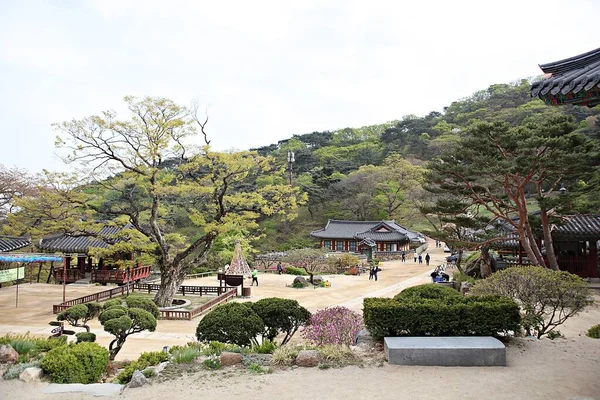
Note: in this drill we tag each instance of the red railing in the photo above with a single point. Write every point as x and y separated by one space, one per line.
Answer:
120 276
188 315
199 290
73 275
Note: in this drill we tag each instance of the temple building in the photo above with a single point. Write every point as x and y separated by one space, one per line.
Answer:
367 237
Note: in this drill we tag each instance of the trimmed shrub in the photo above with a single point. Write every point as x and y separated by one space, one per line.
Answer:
280 316
85 337
594 332
79 363
144 304
335 325
79 315
548 298
234 323
450 316
427 291
291 270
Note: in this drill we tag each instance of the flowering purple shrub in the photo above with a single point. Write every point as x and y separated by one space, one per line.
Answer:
335 325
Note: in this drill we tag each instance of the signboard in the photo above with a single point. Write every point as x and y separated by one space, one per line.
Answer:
7 275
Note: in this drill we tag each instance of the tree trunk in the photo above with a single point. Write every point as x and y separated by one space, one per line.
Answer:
51 271
39 273
459 261
171 277
534 247
548 242
485 266
114 348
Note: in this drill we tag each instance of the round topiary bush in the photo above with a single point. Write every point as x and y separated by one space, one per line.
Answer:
280 316
79 363
144 304
233 323
594 332
427 291
85 337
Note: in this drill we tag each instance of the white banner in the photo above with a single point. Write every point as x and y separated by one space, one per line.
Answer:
7 275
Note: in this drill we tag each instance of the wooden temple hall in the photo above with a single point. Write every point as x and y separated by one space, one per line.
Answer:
81 266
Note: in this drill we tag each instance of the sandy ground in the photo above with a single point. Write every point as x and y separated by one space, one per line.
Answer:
35 302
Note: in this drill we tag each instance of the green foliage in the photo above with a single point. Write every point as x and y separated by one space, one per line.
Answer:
15 370
258 369
459 278
548 298
341 263
79 363
215 348
112 303
185 355
266 347
85 337
285 355
291 270
144 304
31 348
449 316
280 316
144 361
121 321
427 291
23 346
299 285
233 323
594 332
555 335
212 362
338 355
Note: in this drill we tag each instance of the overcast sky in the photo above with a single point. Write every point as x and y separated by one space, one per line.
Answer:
266 70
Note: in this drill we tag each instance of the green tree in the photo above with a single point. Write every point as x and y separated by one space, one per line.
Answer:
122 320
281 316
79 315
311 260
144 172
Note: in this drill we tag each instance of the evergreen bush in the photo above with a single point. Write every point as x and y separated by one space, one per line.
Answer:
427 291
449 316
594 332
79 363
235 323
291 270
85 337
280 316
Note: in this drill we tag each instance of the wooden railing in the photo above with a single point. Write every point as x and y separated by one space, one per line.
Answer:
73 275
188 315
107 294
224 294
120 276
199 290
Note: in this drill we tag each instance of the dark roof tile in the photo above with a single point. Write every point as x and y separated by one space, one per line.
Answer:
11 243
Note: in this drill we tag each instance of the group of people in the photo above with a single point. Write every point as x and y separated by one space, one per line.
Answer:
438 275
373 272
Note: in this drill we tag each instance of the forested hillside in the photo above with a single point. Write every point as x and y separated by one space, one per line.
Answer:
377 172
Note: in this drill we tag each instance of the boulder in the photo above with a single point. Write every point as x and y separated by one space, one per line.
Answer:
318 279
301 279
8 355
137 380
308 358
160 367
465 287
31 374
364 339
228 358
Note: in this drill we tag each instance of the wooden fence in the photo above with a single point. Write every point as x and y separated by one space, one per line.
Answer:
223 294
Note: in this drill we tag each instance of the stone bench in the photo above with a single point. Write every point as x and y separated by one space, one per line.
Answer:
462 351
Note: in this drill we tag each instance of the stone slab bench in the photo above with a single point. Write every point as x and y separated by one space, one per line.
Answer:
464 351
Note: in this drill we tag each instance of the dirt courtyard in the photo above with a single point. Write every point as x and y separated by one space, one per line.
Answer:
35 301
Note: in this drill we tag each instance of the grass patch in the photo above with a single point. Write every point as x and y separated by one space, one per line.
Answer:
258 369
285 355
185 355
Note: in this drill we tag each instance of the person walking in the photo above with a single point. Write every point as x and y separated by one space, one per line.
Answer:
279 268
420 259
254 277
427 258
370 273
375 270
415 256
403 256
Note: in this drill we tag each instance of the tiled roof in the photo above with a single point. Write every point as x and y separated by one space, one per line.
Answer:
77 244
579 227
574 80
11 243
338 229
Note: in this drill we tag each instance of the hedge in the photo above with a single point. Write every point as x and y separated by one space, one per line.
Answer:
291 270
453 316
427 291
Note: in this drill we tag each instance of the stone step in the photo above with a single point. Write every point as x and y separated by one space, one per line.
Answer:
445 351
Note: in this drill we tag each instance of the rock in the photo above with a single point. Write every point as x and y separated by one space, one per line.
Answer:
8 355
318 279
160 367
465 287
364 339
308 358
2 371
301 279
31 374
228 358
137 380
